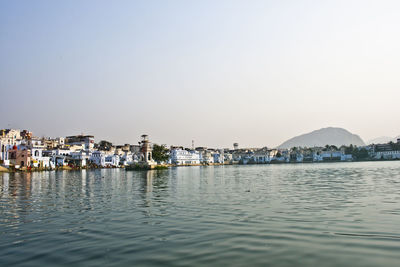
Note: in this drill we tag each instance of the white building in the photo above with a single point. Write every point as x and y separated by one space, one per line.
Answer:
228 157
37 157
6 146
111 161
86 140
127 158
8 138
206 157
98 158
61 152
79 158
261 157
183 157
218 157
332 156
394 154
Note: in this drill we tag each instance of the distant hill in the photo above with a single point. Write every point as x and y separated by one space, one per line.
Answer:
324 136
383 140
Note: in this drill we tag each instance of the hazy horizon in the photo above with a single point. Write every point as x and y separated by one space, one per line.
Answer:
256 73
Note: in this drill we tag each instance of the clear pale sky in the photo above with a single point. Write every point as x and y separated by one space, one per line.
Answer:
218 72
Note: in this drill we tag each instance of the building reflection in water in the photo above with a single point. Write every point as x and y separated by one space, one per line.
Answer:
153 188
16 198
4 180
149 181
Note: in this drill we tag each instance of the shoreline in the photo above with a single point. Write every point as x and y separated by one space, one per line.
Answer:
168 166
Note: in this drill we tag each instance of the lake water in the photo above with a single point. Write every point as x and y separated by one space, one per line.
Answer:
336 214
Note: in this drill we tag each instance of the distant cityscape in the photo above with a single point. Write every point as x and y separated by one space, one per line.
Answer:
21 150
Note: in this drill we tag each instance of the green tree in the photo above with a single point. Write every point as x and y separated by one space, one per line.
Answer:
349 149
333 147
360 154
363 153
160 153
104 145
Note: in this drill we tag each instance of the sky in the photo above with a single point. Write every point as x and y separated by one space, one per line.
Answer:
216 72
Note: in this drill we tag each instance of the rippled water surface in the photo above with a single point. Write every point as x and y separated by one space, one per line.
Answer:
337 214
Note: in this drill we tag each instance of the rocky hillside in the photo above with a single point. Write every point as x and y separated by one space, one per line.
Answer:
324 136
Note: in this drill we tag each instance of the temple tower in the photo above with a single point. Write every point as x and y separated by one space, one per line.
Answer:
146 150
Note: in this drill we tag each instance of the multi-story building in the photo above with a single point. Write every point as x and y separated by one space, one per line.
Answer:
206 157
183 157
111 161
79 158
86 140
219 157
10 134
54 143
36 147
98 158
127 158
8 138
387 155
19 157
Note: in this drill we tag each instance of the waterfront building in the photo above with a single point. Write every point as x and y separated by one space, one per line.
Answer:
296 156
101 159
78 158
219 157
346 157
261 156
387 155
182 157
228 157
6 147
206 157
19 157
98 158
127 158
383 147
86 140
3 149
56 160
112 161
38 160
331 155
242 155
9 138
36 147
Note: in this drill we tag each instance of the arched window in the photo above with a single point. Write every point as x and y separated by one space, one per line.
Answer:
37 153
